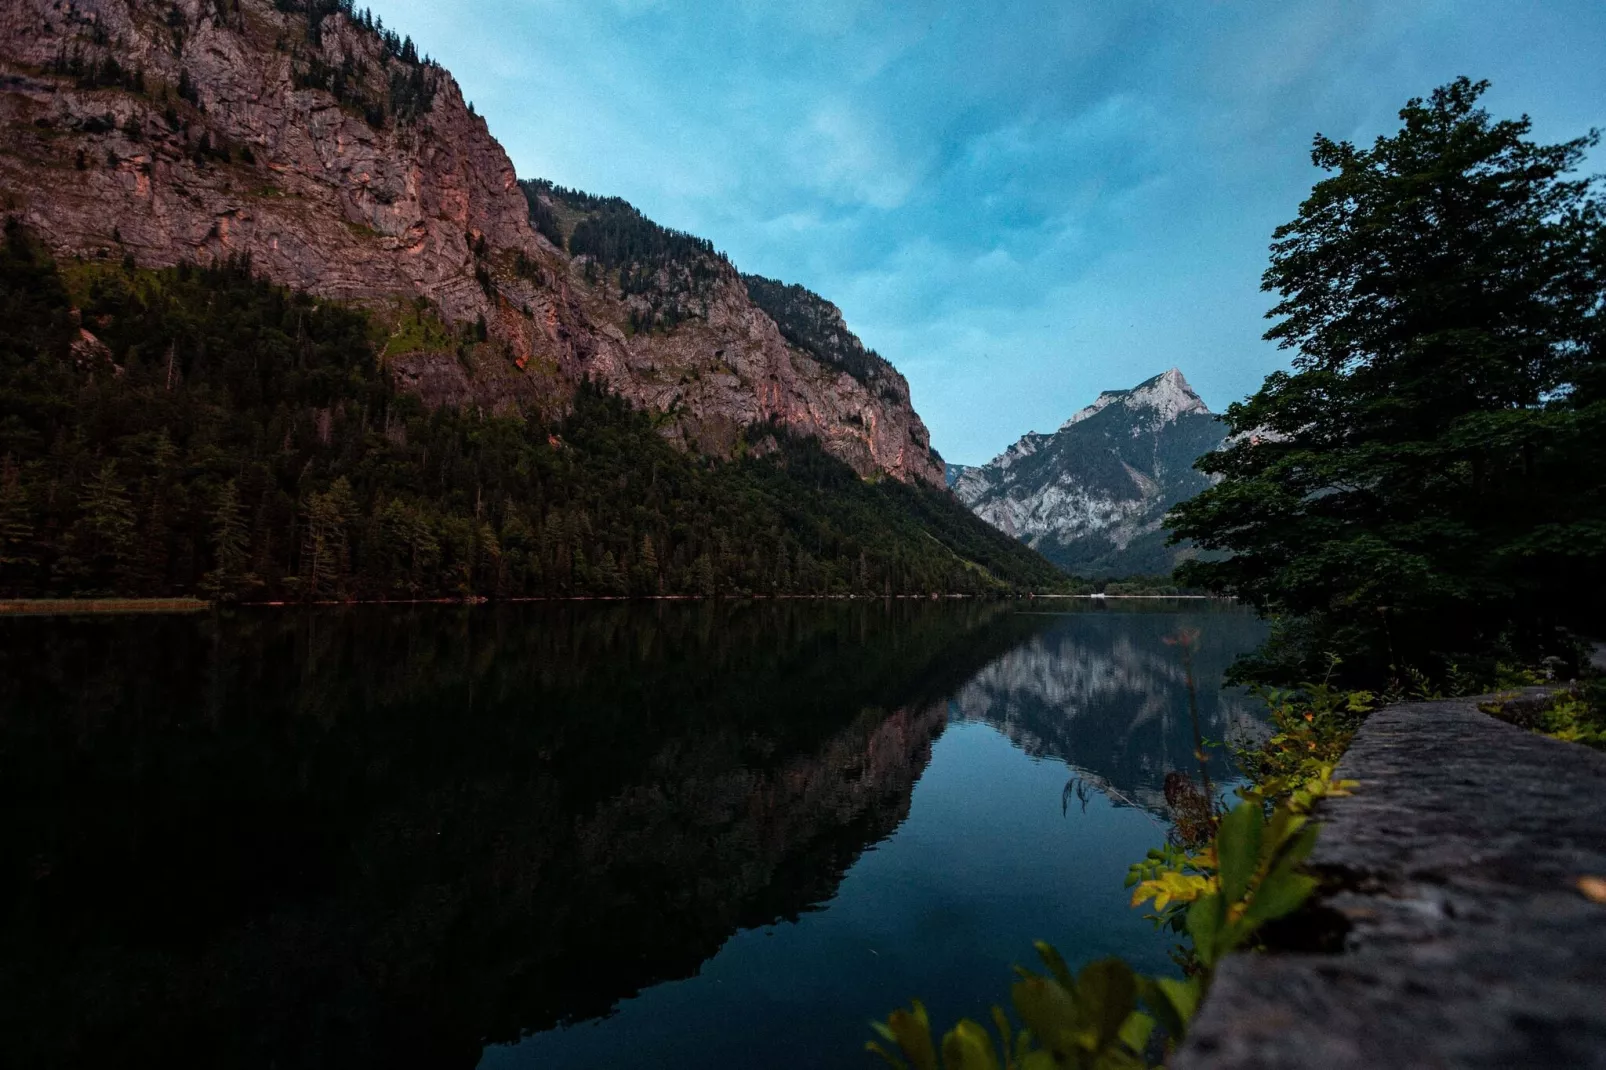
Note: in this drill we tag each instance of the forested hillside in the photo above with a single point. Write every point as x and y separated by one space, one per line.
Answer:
305 135
673 271
815 325
196 430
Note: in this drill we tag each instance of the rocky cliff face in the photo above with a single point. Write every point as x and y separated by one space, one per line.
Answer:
1091 496
340 163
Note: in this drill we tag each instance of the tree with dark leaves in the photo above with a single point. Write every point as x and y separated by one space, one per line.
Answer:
1429 482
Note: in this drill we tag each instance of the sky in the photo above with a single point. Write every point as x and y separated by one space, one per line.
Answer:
1020 203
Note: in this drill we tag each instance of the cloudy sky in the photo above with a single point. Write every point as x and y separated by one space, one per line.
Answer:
1019 202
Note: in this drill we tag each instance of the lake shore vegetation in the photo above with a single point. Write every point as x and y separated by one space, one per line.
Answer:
1425 491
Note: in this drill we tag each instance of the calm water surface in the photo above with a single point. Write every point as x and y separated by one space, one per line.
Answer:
571 836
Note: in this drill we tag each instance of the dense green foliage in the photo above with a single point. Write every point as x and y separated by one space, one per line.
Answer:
814 325
1428 485
1574 715
216 434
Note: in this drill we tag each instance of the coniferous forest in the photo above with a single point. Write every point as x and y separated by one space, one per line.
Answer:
200 432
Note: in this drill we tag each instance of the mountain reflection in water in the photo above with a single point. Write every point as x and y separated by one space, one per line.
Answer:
1104 693
397 836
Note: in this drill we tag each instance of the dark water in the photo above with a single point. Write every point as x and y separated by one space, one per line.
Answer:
585 836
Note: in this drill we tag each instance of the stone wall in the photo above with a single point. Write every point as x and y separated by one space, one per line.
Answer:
1454 927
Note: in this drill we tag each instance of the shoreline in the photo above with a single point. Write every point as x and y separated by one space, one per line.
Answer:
1154 597
62 607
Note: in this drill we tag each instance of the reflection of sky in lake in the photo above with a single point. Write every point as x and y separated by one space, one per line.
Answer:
989 859
574 836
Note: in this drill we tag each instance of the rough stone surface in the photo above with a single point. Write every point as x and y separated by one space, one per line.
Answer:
383 213
1455 866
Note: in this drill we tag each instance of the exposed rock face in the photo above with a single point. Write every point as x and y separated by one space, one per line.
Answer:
1091 496
173 132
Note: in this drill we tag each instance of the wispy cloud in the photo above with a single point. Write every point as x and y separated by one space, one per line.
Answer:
1019 202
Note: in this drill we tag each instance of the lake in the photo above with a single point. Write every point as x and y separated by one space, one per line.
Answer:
574 835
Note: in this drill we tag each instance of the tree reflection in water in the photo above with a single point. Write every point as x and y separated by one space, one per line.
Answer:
387 836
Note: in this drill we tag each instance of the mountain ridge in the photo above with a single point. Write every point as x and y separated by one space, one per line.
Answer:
301 135
1092 495
281 323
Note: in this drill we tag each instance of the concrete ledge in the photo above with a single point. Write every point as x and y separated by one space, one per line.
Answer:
1452 876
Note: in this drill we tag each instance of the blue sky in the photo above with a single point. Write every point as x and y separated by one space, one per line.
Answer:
1018 202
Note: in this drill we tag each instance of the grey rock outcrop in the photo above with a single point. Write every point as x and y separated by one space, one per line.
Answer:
1091 496
1455 870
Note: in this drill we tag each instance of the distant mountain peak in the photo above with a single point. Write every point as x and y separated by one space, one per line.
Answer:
1166 395
1092 496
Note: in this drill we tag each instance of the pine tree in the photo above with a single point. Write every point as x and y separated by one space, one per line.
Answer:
17 550
702 577
489 563
325 555
645 578
608 579
231 544
783 568
101 544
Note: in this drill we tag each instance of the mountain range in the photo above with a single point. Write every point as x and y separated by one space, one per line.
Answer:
304 145
1091 496
305 136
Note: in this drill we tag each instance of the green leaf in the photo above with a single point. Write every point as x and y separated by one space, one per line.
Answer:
1049 1011
1056 965
968 1047
1238 849
1206 919
891 1060
1107 991
911 1031
1287 832
1182 994
1001 1022
1173 1002
1280 894
1136 1030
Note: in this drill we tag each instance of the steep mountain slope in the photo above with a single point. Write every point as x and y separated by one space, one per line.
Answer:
1091 496
277 320
219 435
303 136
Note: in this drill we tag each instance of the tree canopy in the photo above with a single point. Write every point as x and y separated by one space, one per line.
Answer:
198 430
1429 481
